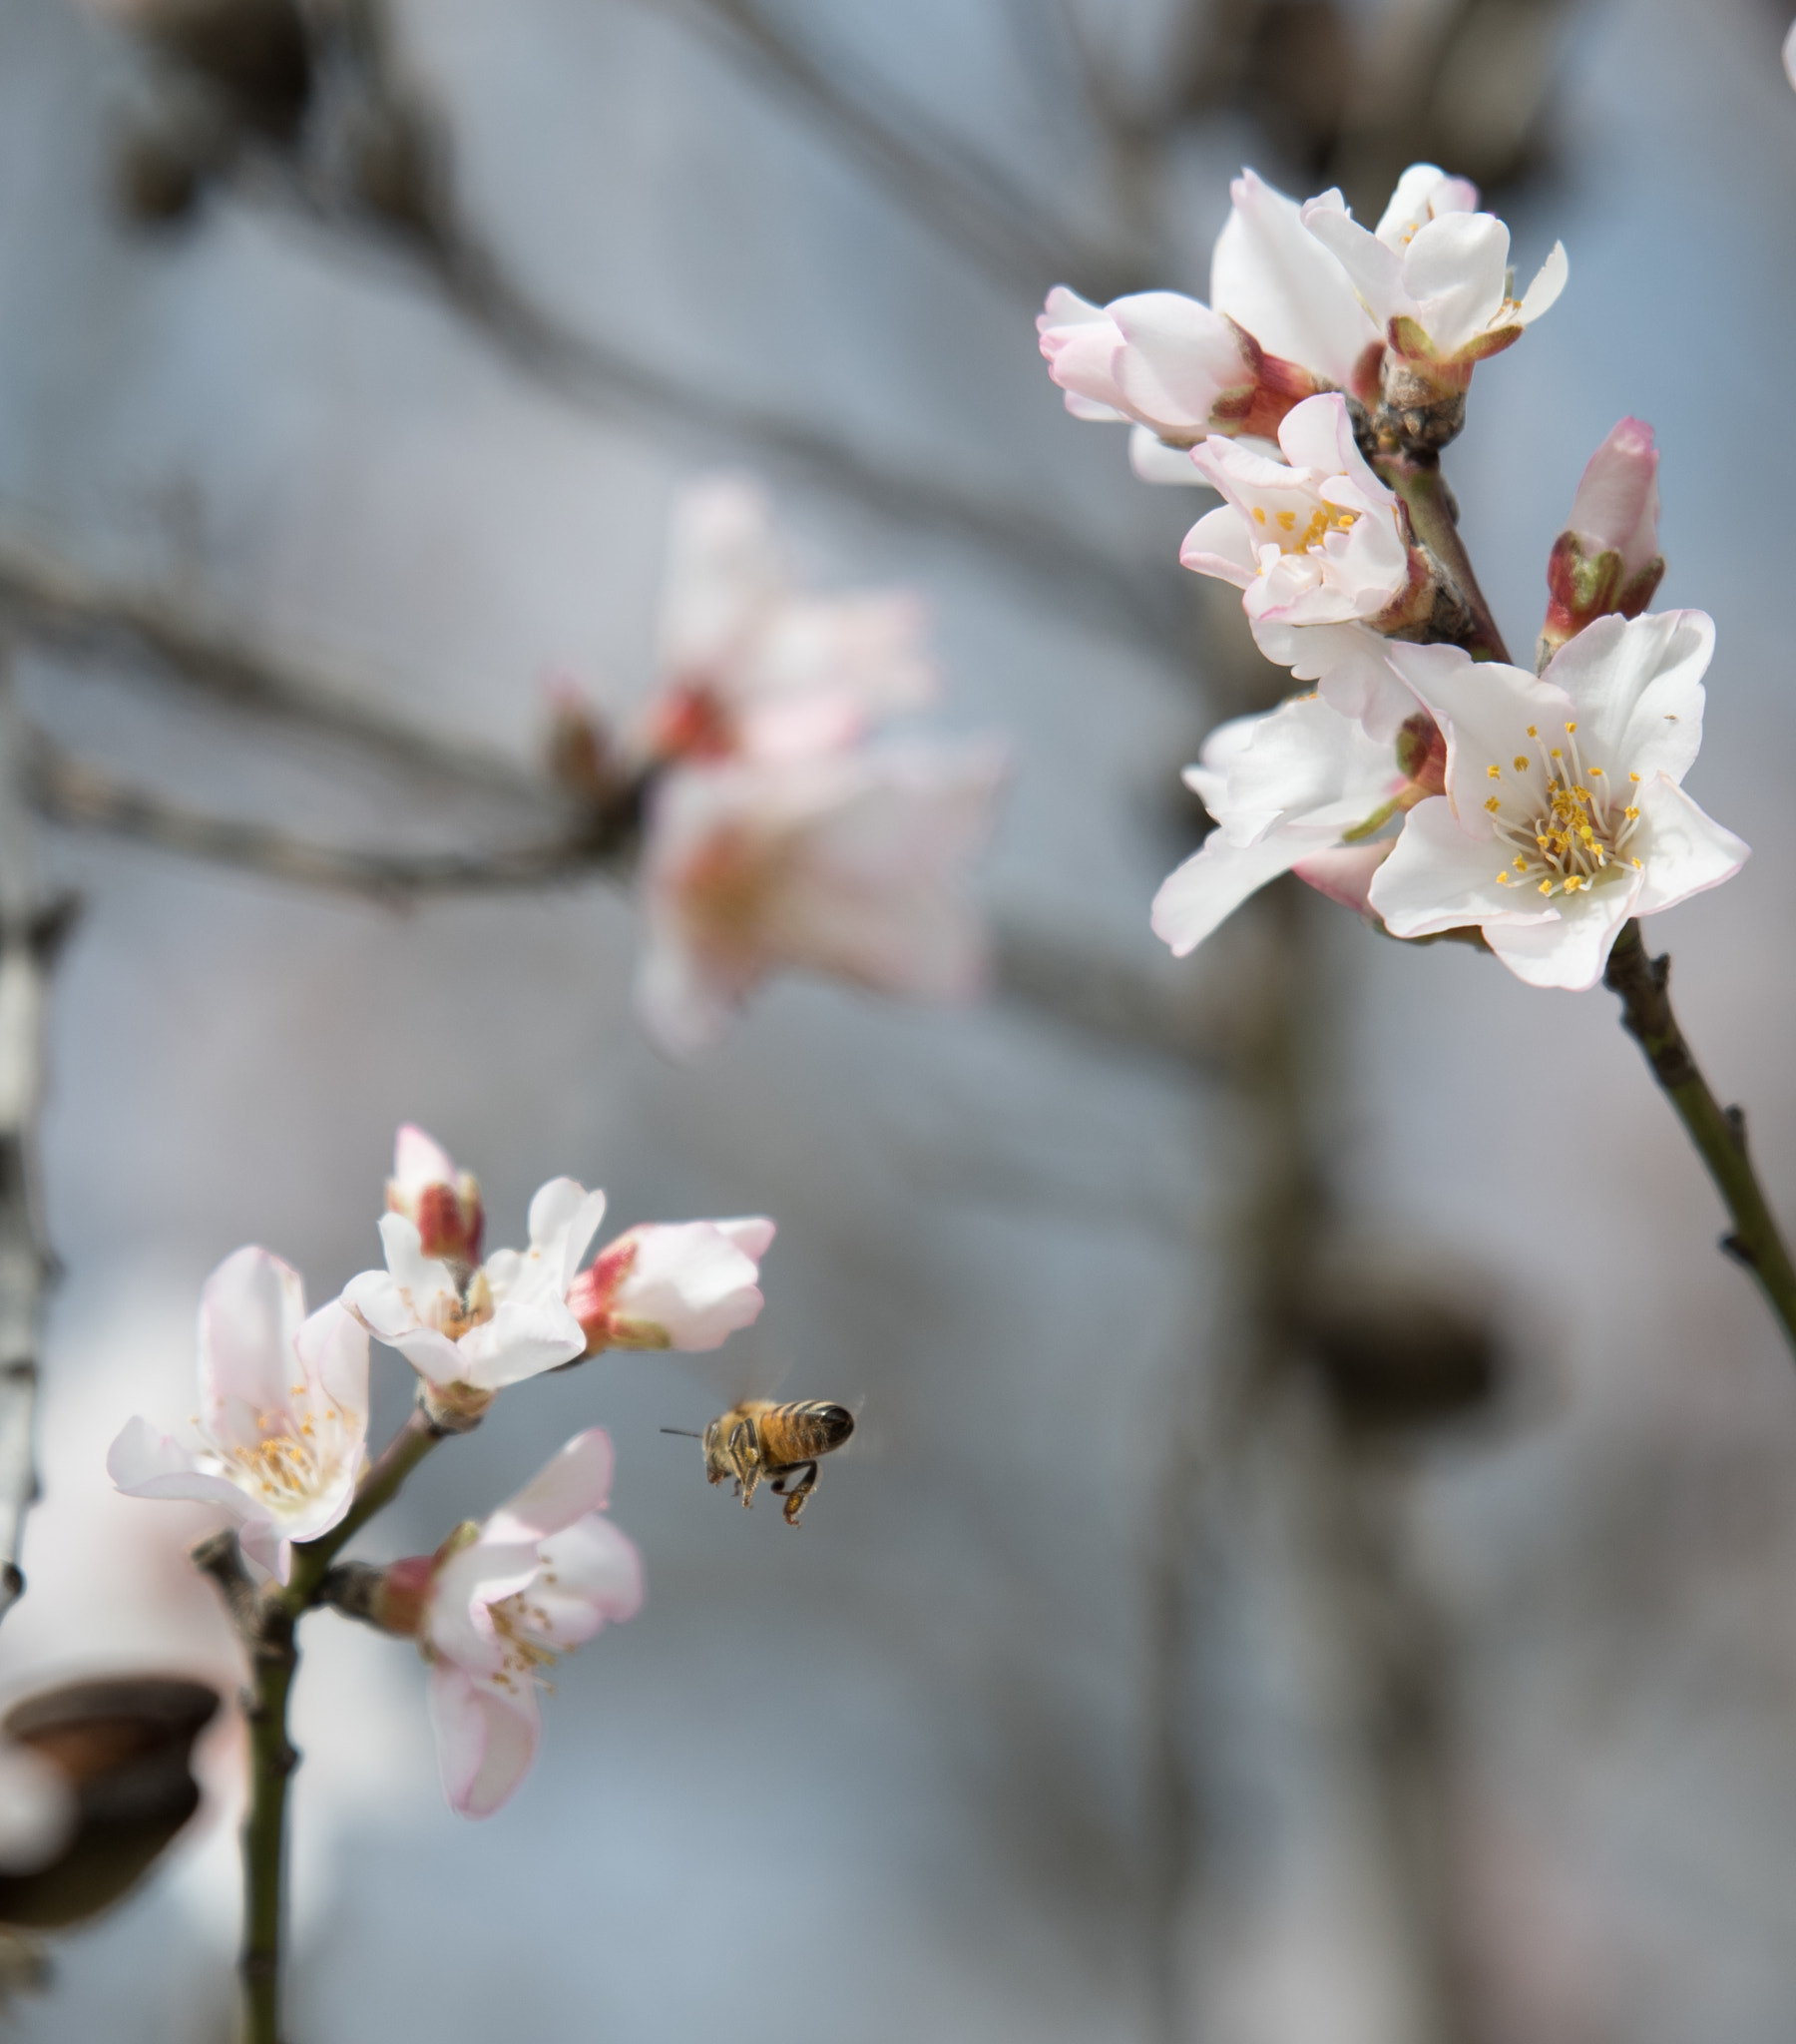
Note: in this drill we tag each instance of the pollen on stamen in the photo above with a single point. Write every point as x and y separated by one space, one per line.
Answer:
1520 762
1633 777
1630 812
1493 804
1533 731
1287 521
1545 887
1595 773
1502 878
1573 725
1492 772
1259 514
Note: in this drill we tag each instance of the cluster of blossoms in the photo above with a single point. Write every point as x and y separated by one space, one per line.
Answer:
1427 783
280 1440
784 829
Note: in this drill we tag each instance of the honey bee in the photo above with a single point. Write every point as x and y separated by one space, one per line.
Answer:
758 1439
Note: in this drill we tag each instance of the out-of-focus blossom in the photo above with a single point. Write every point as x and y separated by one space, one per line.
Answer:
1289 790
1789 55
1608 559
477 1328
496 1607
1316 542
847 864
1436 273
1563 813
1285 321
284 1416
749 663
689 1285
441 1202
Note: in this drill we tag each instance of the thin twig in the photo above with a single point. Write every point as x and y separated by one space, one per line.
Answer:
955 191
1718 1132
33 925
53 604
73 793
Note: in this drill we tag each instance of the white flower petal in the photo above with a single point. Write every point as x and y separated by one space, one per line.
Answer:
1440 879
1637 683
574 1481
1277 280
1685 850
486 1739
1571 951
1549 280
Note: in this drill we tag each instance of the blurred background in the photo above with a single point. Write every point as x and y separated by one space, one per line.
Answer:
1317 1563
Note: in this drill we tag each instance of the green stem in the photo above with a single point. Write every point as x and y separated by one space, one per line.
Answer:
1718 1132
1417 479
377 1489
273 1659
267 1622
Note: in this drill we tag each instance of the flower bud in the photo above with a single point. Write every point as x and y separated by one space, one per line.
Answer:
440 1201
1608 558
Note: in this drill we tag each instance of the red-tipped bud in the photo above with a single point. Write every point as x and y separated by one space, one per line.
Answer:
579 750
1607 561
443 1204
1422 752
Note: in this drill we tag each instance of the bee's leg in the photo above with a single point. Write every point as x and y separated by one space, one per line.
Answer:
745 1458
799 1493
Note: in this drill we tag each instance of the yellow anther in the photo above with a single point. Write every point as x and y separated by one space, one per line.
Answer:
1630 812
1545 887
1287 521
1556 754
1533 732
1502 879
1493 805
1259 514
1520 762
1595 773
1494 773
1633 777
1573 725
1345 521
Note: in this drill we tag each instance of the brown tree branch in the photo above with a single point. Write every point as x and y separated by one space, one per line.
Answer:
33 925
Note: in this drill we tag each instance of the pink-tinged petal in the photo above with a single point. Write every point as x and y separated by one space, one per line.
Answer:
1155 462
420 1160
564 1218
1374 270
688 1284
685 1004
250 1312
525 1338
1080 352
1454 272
1344 873
458 1621
431 1354
268 1546
145 1463
1221 544
1549 280
1686 851
591 1577
1198 896
1423 193
574 1481
1486 708
752 1234
724 570
1177 359
486 1741
1350 664
1637 686
333 1347
1276 280
1301 763
1318 433
1440 879
1570 951
1617 507
421 1276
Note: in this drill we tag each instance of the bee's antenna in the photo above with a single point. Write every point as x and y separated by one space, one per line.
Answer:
686 1430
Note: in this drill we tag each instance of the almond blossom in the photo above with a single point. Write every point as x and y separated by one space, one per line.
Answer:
689 1285
1563 813
1316 543
1435 275
497 1606
283 1413
1608 558
847 864
749 663
1301 788
1285 321
475 1327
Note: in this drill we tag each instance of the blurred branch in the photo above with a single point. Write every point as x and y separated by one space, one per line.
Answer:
960 195
49 602
33 925
72 793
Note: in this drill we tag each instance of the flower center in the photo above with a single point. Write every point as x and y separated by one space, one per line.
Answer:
1574 837
1282 529
454 1314
524 1631
283 1469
